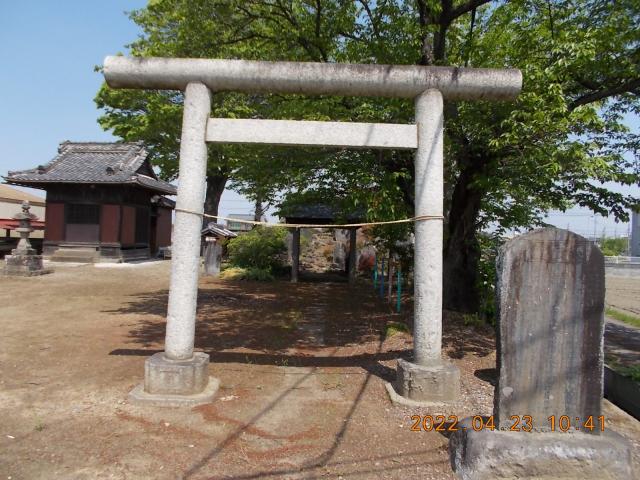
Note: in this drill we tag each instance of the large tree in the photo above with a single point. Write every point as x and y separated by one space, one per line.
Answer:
558 145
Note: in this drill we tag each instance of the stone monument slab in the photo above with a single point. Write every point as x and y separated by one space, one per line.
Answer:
550 298
547 401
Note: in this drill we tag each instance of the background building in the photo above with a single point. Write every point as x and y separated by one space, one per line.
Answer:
104 203
239 227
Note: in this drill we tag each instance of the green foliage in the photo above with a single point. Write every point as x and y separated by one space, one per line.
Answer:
613 247
472 320
563 142
253 274
623 317
486 279
259 248
394 328
633 372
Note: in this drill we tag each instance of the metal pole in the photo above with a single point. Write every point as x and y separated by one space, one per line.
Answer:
375 271
382 278
399 290
295 255
352 255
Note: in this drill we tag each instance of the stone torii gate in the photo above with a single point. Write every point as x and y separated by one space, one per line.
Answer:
179 375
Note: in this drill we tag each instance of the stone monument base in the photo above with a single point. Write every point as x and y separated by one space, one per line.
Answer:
487 454
175 383
422 385
26 265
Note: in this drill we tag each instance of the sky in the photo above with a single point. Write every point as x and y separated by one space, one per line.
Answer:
48 50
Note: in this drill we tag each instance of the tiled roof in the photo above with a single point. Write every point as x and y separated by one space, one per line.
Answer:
95 162
219 230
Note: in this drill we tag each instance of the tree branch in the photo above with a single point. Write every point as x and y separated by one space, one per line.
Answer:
628 87
466 7
374 23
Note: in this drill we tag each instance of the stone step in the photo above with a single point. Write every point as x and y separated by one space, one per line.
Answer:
76 255
71 252
70 259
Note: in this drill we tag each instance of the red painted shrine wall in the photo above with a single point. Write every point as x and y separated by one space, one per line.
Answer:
54 222
110 224
163 228
128 226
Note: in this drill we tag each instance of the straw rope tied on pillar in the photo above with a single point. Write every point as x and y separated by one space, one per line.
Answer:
169 375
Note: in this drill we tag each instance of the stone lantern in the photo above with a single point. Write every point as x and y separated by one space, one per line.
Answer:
24 260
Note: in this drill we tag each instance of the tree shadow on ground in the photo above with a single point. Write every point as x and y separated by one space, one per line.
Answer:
309 324
270 319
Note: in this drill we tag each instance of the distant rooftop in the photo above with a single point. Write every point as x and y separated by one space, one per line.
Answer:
95 162
213 228
13 195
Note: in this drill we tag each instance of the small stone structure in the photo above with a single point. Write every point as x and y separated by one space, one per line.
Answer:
24 260
212 257
547 405
213 236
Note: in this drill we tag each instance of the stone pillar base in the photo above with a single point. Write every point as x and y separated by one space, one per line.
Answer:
422 385
176 383
487 454
26 265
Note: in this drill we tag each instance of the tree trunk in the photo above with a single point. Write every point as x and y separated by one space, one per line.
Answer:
259 210
215 187
462 251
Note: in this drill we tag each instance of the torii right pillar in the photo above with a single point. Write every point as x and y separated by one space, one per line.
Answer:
427 378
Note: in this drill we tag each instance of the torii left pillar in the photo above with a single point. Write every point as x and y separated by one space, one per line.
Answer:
179 376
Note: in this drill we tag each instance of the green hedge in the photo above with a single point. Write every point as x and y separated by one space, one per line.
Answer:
258 249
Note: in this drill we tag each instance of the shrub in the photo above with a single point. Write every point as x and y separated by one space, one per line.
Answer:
613 247
239 273
258 249
393 328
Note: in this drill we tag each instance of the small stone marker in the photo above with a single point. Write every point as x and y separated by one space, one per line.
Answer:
24 261
212 257
547 402
550 319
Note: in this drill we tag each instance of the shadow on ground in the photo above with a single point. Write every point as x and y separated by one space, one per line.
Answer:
311 324
274 318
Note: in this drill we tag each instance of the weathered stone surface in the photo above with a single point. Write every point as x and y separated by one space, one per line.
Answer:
24 265
435 383
139 396
212 258
176 377
175 383
187 227
550 294
486 454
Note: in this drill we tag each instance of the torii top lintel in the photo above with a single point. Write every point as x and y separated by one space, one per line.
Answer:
343 79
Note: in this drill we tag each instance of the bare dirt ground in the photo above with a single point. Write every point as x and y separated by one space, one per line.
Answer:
302 370
623 293
622 341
